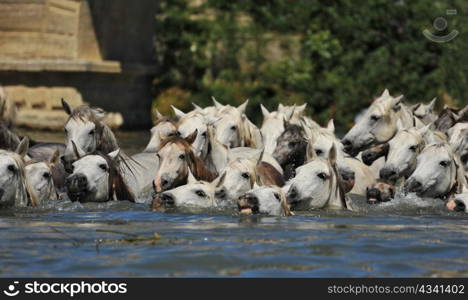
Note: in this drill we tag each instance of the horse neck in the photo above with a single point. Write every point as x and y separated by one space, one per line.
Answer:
107 141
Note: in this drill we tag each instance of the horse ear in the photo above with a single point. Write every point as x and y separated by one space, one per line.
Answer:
216 103
159 115
220 180
331 126
265 111
422 131
191 138
301 108
285 123
280 107
55 158
114 154
77 150
191 178
462 112
332 155
385 93
431 104
178 113
66 107
99 112
310 153
23 147
241 108
196 107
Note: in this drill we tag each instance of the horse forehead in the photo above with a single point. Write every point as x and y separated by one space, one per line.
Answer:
7 159
89 160
172 148
316 165
75 123
242 164
36 167
435 152
191 121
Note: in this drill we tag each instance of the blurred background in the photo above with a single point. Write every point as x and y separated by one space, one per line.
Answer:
334 55
132 57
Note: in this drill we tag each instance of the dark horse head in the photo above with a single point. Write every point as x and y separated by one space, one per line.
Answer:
291 149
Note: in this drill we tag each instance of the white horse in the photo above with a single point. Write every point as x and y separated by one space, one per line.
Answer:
267 200
39 176
379 124
86 131
98 178
195 194
317 185
164 127
458 138
425 112
14 188
403 150
233 129
438 173
324 139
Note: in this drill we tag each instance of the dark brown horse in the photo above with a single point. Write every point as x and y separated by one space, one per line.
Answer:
291 148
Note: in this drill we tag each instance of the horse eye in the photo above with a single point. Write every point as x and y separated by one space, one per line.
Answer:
322 176
277 196
200 193
11 168
103 167
204 134
91 132
413 148
292 144
171 134
233 127
375 118
318 152
177 133
46 175
66 131
245 175
444 163
182 156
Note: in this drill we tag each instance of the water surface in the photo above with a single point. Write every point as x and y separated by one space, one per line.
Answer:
124 239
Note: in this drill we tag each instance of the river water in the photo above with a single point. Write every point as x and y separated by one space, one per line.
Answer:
415 238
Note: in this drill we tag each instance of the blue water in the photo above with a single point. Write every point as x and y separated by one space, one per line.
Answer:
76 242
395 239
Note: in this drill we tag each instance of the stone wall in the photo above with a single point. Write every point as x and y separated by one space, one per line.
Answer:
102 50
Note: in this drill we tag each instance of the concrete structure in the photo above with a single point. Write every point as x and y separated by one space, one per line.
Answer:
97 51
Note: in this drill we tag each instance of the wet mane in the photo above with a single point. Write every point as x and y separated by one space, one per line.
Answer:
8 139
118 189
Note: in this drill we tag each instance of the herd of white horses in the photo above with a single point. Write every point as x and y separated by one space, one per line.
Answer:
215 157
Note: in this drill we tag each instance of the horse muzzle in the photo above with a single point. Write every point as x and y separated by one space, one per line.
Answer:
77 187
248 204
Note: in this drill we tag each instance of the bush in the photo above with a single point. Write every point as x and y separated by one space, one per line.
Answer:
334 55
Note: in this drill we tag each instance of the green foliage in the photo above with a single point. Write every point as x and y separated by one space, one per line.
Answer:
334 55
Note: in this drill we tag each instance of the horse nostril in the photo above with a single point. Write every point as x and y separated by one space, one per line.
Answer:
220 193
386 173
346 143
459 206
167 199
292 194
